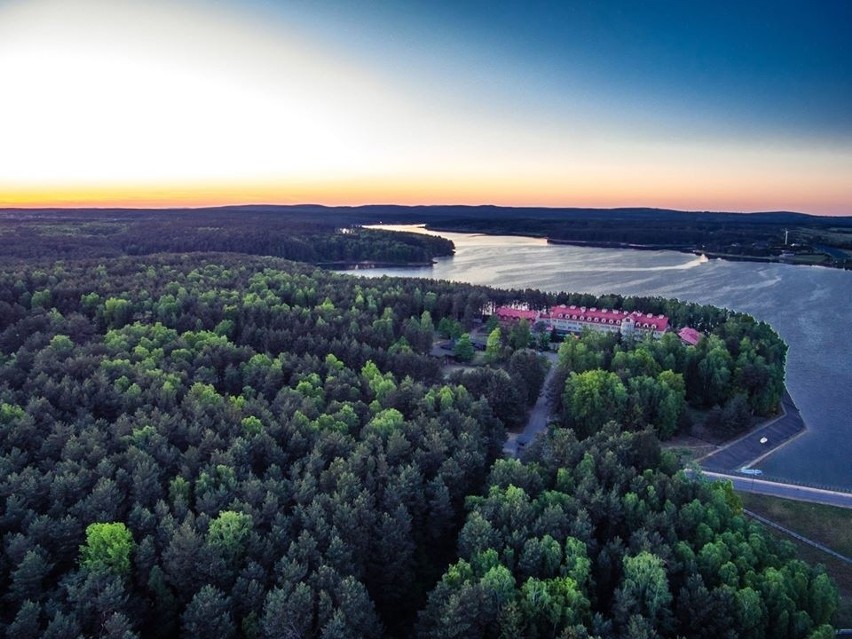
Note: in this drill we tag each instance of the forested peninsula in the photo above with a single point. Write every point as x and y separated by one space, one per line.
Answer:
306 232
294 233
208 444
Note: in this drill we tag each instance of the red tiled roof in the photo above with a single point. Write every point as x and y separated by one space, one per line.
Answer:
657 322
690 335
507 312
603 315
591 315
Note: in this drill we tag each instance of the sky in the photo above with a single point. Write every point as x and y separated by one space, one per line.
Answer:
734 106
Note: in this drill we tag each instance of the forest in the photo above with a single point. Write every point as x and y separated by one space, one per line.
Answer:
311 233
734 373
294 234
204 444
794 238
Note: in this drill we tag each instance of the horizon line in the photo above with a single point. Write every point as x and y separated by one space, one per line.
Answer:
4 208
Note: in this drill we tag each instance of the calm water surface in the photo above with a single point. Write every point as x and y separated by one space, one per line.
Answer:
809 307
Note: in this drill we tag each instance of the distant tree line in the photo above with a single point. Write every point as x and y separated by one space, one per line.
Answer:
68 234
299 232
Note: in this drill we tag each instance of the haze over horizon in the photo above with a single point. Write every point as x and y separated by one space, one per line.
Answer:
576 104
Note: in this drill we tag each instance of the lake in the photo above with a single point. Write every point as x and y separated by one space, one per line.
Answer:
809 307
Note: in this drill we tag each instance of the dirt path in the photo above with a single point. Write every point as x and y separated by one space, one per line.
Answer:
538 417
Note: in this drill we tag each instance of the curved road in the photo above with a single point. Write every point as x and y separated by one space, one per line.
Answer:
719 464
727 461
750 484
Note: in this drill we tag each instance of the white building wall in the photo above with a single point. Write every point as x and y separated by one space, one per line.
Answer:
576 326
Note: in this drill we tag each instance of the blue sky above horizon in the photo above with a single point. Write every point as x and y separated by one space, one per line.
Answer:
774 66
692 105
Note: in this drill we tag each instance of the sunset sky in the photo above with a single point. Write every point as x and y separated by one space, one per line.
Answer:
738 106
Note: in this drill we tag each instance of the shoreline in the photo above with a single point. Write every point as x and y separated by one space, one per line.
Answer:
742 452
345 265
746 449
681 248
761 452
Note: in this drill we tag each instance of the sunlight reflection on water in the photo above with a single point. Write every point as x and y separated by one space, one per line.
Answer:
808 306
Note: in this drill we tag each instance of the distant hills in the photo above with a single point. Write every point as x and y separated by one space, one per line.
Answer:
772 235
486 211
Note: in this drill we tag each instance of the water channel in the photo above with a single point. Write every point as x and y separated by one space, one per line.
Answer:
810 307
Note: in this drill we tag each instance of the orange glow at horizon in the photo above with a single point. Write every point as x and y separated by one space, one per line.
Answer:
165 105
730 195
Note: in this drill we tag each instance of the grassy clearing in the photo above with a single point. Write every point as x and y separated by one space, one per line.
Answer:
828 525
688 448
839 571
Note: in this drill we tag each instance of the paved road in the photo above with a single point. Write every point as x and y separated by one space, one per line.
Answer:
748 449
538 417
729 458
787 491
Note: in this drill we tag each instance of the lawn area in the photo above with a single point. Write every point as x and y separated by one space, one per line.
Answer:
828 525
688 448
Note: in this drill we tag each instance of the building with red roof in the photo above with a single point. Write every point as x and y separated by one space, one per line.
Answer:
689 336
508 315
573 319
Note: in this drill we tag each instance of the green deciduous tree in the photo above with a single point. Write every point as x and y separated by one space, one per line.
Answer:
448 327
576 356
387 421
493 346
714 372
645 591
593 398
229 532
117 312
108 547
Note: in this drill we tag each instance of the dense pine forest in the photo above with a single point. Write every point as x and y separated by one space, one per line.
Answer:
205 444
296 234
